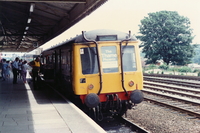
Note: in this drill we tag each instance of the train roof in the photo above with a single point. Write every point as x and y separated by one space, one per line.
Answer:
97 35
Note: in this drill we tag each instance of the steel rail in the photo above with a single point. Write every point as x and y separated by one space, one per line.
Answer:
174 102
172 87
182 83
197 114
174 76
134 125
174 98
172 91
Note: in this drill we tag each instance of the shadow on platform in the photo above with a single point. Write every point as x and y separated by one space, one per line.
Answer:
24 110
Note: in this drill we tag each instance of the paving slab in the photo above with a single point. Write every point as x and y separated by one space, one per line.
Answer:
24 110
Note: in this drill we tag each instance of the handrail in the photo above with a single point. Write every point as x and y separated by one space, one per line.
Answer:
122 69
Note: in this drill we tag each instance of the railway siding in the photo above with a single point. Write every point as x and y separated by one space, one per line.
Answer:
195 84
174 90
179 94
173 76
174 87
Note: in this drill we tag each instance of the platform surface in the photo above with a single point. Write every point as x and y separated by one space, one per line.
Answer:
24 110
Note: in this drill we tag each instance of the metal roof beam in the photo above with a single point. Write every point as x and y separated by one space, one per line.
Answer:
22 35
61 1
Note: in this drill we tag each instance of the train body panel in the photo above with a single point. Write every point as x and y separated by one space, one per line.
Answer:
101 67
111 80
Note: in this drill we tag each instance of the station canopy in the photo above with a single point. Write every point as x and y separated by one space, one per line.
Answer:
27 24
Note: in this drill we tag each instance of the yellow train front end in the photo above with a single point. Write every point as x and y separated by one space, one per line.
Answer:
108 74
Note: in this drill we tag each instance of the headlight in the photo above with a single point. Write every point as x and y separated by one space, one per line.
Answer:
91 86
131 83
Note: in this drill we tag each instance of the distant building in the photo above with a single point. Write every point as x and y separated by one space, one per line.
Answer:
194 66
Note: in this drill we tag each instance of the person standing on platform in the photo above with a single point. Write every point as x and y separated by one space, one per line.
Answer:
8 69
24 71
1 68
35 64
19 68
15 68
4 68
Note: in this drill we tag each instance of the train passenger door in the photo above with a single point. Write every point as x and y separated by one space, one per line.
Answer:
110 69
66 69
118 69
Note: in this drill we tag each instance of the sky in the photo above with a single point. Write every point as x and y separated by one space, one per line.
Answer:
125 15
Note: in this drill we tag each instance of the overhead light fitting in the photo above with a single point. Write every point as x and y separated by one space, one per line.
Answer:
29 20
32 7
27 28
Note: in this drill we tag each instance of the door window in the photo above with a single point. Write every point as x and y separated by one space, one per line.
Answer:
89 60
109 59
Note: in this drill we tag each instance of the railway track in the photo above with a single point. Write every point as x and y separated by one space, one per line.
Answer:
120 125
179 94
174 76
187 83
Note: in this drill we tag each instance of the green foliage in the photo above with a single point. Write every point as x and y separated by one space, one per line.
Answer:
152 66
196 70
152 72
185 69
166 35
164 67
198 74
173 69
196 58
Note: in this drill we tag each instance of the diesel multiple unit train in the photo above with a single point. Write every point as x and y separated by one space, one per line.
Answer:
99 70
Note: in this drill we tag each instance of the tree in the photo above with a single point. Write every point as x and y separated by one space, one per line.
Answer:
166 35
196 58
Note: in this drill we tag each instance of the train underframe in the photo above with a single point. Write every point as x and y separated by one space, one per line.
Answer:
113 106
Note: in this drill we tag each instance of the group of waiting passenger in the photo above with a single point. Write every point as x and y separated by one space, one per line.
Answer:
19 68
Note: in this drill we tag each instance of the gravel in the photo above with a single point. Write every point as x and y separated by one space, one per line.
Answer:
158 119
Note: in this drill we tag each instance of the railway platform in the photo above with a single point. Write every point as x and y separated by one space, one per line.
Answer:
24 110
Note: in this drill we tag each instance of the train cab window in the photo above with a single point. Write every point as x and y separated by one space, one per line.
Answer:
89 60
129 61
45 60
50 59
109 59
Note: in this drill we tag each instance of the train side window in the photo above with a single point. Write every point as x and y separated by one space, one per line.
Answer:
89 60
64 59
50 59
129 60
45 60
109 59
66 62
